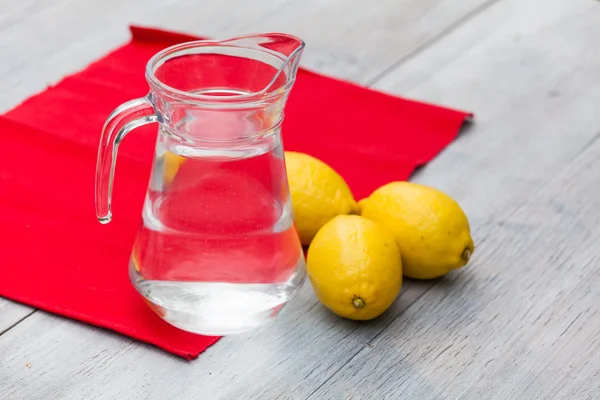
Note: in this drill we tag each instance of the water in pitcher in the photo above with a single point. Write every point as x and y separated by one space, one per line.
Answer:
217 251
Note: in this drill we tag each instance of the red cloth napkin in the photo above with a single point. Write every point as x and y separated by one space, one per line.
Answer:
57 257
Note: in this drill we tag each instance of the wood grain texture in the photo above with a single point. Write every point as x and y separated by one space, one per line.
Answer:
289 359
522 322
345 38
47 39
11 313
530 73
358 42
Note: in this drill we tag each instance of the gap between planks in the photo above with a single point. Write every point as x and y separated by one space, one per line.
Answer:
431 42
2 332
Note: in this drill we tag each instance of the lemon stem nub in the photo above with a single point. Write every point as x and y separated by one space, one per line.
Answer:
466 254
358 302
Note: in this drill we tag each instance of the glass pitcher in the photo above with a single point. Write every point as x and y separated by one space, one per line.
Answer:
216 251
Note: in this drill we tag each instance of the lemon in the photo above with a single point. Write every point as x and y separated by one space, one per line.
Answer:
318 193
354 267
430 228
172 163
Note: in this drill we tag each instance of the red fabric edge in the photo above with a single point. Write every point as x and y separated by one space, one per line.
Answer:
68 313
170 38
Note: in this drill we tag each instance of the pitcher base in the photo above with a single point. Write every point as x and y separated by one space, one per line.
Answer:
216 308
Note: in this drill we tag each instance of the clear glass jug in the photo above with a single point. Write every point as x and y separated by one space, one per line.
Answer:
216 251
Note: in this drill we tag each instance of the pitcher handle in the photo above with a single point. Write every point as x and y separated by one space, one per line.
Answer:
120 122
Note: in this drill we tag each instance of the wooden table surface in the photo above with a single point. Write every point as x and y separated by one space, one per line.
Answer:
521 322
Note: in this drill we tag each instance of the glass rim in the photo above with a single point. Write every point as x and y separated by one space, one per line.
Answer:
173 51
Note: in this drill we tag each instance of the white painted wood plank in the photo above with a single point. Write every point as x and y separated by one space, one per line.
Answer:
525 314
288 359
524 323
57 348
345 38
39 48
11 313
11 10
530 74
279 360
355 41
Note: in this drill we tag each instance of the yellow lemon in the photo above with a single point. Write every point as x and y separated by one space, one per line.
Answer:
430 228
318 193
172 163
354 267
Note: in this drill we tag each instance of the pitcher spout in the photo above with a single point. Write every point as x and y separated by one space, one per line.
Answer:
287 49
